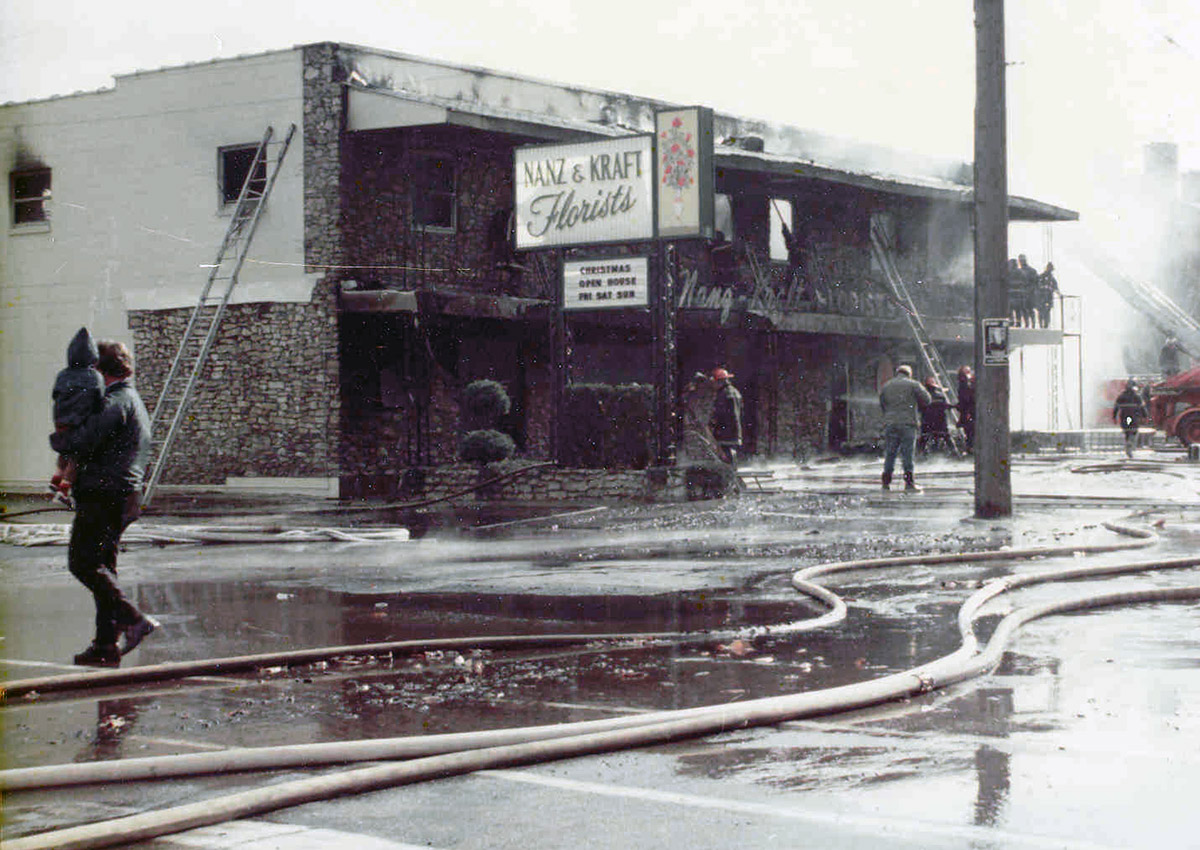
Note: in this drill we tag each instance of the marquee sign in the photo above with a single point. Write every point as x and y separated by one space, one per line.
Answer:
584 194
612 282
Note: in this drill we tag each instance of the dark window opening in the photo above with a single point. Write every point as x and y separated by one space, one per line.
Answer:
235 164
434 201
29 191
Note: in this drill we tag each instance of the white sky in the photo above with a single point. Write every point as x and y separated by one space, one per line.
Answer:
1090 82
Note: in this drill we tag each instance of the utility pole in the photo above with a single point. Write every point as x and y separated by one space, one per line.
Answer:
993 479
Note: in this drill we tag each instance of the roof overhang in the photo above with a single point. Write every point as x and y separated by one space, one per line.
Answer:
379 109
788 168
470 305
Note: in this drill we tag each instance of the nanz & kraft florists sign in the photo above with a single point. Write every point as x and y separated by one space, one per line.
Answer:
584 194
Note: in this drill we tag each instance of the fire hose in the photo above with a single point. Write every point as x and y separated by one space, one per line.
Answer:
453 754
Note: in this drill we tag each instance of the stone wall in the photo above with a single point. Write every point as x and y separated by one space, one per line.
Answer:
266 402
802 409
519 481
324 120
475 256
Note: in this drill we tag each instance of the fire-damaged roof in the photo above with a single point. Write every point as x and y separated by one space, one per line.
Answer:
786 167
445 110
427 91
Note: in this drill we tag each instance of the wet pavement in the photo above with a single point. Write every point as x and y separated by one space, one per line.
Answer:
1085 737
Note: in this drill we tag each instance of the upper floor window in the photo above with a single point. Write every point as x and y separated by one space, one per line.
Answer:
233 167
29 190
781 245
434 201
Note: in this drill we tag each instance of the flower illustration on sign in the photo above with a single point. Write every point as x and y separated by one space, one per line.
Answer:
678 162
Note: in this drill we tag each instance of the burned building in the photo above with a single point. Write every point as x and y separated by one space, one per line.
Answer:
386 276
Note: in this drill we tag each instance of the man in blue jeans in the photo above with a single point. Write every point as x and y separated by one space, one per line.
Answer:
902 399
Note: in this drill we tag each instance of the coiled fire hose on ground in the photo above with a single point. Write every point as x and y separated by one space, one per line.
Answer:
452 754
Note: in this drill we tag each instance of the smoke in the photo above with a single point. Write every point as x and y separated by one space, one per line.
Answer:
1134 252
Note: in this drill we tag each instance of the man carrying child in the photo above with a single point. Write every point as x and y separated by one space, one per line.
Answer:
111 449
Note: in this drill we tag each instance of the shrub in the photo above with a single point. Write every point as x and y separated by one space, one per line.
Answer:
483 403
486 446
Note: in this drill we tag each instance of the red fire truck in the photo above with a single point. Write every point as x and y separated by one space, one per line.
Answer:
1175 406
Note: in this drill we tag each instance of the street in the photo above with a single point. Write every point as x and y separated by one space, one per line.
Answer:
1083 737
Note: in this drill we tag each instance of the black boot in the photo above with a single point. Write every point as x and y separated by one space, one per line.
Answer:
909 484
97 655
887 481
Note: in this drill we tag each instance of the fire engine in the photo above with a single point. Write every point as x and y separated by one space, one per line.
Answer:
1175 406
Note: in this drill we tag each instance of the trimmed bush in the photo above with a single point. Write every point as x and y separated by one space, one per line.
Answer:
608 427
486 446
483 403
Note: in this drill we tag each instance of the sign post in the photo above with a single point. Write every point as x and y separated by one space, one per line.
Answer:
684 179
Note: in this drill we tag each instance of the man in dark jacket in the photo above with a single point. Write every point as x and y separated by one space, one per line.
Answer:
1128 412
966 405
935 422
902 399
727 415
111 449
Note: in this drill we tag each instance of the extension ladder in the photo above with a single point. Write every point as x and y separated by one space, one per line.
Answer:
170 410
932 361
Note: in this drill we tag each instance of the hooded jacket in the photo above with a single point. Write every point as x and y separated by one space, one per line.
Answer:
79 389
112 447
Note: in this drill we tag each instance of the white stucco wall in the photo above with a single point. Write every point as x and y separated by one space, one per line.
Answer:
135 215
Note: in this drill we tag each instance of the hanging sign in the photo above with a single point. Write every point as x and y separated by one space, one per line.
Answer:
684 159
614 282
584 194
995 341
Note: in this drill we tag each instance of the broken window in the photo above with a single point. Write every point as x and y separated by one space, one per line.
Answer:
723 216
233 167
781 229
434 203
29 191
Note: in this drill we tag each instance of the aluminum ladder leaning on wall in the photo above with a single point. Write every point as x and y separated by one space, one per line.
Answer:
180 384
881 249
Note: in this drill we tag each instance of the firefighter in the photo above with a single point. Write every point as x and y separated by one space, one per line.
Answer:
935 426
1170 357
1128 412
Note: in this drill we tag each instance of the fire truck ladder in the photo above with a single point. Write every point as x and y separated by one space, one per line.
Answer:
170 411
